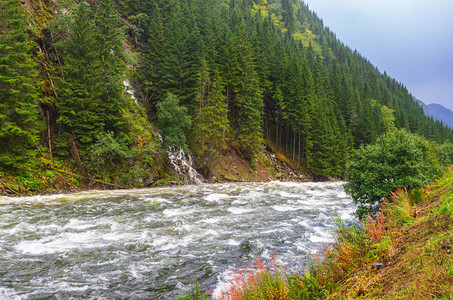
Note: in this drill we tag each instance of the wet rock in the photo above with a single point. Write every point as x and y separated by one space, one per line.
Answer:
377 265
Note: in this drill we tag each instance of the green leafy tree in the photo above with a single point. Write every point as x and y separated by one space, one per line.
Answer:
107 152
18 94
174 122
445 153
398 159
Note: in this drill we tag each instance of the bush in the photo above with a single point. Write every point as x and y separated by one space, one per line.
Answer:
174 122
106 151
257 282
398 159
445 153
194 294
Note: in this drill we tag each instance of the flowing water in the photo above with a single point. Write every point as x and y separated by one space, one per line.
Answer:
183 166
152 243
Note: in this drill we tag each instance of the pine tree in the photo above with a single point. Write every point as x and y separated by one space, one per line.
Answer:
181 56
246 101
211 122
88 102
110 37
18 94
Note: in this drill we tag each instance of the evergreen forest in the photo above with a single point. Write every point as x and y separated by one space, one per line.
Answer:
105 89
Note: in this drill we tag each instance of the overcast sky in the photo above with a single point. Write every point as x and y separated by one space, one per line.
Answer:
412 40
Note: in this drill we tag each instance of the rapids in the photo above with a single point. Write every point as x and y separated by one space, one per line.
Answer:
153 243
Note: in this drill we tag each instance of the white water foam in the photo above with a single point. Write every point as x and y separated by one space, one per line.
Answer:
8 294
215 197
211 220
239 210
285 208
177 212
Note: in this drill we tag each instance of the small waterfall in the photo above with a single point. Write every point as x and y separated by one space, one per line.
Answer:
129 90
184 167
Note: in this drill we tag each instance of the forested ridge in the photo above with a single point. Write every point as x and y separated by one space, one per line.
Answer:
209 74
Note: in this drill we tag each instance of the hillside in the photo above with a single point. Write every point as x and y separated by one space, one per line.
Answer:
413 244
209 77
438 112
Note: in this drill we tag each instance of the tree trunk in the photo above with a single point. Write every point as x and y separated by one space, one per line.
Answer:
298 153
49 137
277 141
286 139
75 152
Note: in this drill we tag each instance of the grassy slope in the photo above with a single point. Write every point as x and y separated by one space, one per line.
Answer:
415 250
411 243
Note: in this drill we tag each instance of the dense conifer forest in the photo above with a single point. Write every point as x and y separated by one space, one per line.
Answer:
207 75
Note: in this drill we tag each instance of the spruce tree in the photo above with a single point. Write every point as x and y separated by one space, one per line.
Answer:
90 92
211 122
18 94
246 95
110 38
80 91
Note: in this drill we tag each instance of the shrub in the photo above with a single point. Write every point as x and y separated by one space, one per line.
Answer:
194 294
257 282
306 287
174 122
398 159
445 153
106 151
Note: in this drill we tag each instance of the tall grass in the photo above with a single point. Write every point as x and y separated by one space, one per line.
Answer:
256 281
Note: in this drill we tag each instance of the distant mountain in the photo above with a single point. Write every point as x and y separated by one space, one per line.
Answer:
438 112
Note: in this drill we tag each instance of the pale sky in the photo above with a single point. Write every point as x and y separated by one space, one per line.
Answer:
412 40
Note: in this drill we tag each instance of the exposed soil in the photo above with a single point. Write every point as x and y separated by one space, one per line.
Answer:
233 167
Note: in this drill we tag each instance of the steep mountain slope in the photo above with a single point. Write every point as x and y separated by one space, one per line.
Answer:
240 73
274 62
438 112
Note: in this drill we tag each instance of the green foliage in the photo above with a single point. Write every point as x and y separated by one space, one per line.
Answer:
398 159
211 122
245 71
194 294
305 287
354 235
108 151
380 248
401 207
278 72
446 195
416 196
91 92
445 153
246 95
18 93
174 122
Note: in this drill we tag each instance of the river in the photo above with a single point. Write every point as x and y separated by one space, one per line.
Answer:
153 243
